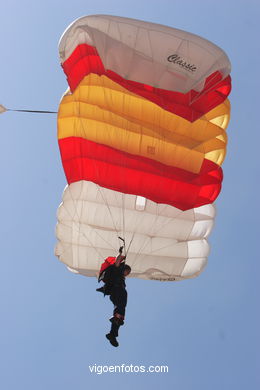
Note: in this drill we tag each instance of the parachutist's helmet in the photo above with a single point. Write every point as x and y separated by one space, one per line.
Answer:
127 269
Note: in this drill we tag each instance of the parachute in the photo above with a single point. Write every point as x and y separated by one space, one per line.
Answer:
142 137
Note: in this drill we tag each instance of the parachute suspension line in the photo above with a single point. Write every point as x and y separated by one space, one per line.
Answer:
143 245
157 215
130 243
91 244
152 232
34 111
98 187
132 238
78 229
109 210
124 177
102 238
118 231
123 241
84 234
123 209
109 244
155 232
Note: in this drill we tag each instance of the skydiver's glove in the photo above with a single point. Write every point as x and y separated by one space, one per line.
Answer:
121 250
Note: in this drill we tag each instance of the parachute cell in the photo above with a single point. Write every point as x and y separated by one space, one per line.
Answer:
145 117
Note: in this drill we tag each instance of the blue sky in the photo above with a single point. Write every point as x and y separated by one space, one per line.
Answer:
53 323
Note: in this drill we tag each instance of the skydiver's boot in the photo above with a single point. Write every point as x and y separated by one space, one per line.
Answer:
101 289
114 329
115 325
113 341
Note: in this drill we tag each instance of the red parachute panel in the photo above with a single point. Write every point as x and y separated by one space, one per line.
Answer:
131 174
191 106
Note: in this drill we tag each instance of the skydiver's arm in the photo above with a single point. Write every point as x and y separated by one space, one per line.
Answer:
119 259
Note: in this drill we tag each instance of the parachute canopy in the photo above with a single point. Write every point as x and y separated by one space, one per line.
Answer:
142 136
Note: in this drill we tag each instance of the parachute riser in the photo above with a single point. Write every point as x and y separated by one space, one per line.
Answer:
123 241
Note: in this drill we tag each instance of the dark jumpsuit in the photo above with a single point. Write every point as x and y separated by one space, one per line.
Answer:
118 296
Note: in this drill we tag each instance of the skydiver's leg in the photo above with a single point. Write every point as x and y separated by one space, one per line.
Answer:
119 299
114 327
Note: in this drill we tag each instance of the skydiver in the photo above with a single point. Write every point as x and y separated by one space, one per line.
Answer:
115 286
